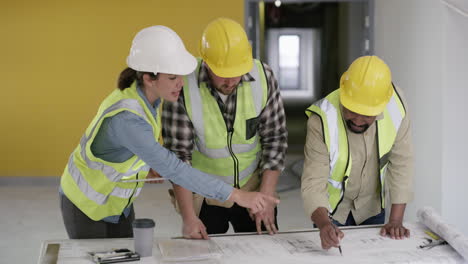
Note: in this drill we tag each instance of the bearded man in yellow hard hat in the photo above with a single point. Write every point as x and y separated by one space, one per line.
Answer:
228 122
358 145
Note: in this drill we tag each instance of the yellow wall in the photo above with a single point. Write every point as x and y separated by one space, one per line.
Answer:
59 59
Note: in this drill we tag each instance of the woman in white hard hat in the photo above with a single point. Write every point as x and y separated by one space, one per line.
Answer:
120 146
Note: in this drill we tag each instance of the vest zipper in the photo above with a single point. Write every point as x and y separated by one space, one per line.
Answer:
134 189
342 197
234 158
346 169
379 166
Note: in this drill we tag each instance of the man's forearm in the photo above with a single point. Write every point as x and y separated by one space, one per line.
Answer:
397 213
269 181
184 198
320 217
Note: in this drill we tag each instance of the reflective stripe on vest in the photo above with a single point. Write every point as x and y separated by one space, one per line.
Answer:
111 174
93 184
334 131
227 161
93 195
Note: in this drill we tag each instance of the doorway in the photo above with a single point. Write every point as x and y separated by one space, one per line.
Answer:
308 44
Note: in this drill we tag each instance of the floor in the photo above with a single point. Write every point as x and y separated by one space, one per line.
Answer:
30 214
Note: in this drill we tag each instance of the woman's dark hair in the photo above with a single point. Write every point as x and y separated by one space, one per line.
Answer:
129 75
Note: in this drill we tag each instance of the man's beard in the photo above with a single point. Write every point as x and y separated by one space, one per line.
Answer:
351 125
224 89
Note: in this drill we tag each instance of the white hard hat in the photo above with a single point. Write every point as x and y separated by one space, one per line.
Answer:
159 49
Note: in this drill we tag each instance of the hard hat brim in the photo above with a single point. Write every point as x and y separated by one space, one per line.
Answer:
185 65
362 109
231 72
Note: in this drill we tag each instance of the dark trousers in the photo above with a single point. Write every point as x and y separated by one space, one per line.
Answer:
216 219
374 220
79 225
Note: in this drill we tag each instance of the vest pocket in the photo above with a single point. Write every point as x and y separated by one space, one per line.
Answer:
251 126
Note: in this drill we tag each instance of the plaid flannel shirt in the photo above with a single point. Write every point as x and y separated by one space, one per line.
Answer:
178 130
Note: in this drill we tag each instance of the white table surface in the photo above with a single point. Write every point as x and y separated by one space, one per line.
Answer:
360 245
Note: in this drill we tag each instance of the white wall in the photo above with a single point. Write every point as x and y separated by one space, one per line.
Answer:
425 57
454 120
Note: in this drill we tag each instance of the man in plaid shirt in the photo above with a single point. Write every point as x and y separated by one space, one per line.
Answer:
228 122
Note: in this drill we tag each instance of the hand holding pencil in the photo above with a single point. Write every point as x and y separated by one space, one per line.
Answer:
331 236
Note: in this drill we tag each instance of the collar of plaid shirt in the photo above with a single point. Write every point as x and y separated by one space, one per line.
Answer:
227 108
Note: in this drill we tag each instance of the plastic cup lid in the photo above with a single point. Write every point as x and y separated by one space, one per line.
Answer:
143 223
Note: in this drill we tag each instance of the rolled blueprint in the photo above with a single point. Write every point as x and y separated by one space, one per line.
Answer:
429 217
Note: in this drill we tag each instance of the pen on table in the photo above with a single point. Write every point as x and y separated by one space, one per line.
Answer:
339 246
336 232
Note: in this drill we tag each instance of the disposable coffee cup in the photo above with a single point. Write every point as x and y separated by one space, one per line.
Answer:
143 230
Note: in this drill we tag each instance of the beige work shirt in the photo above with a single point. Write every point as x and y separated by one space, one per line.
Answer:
362 193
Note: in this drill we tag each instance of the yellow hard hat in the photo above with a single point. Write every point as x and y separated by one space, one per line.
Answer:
225 48
366 87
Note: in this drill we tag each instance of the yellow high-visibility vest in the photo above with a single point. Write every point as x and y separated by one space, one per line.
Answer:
95 186
231 156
